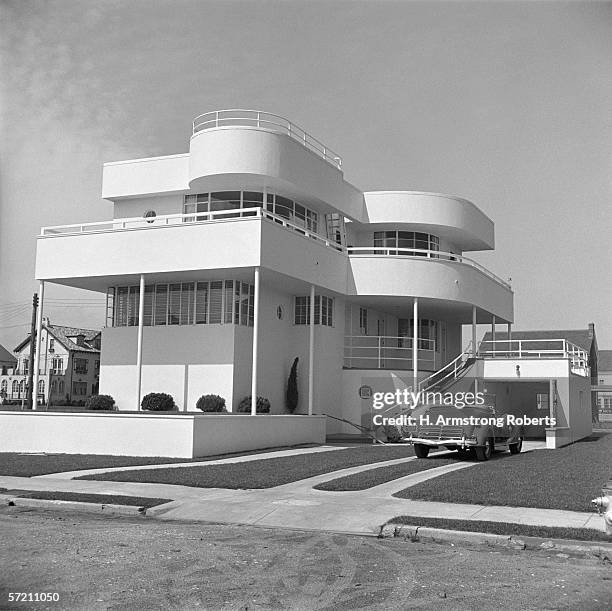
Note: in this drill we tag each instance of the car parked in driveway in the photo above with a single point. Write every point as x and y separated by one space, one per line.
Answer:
473 431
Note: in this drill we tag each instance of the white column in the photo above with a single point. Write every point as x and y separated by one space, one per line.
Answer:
311 352
415 344
139 349
474 347
36 345
255 342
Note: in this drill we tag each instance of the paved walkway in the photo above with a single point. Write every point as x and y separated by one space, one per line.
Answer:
297 505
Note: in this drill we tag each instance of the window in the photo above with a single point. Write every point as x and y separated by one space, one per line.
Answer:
15 388
363 321
427 336
80 365
51 345
324 308
97 366
188 303
406 240
25 364
3 388
542 401
79 388
57 365
605 405
41 387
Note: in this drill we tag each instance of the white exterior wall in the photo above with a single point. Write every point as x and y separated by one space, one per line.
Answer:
133 208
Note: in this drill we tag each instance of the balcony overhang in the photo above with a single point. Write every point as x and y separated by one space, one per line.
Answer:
453 218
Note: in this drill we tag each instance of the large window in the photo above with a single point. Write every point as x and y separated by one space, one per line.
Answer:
79 388
363 321
81 366
202 203
324 311
406 239
187 303
428 333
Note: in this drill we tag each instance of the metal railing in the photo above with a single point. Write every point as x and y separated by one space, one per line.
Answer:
537 348
386 352
450 371
241 117
173 220
374 251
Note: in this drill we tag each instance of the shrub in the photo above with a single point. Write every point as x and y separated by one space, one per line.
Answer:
211 403
100 403
157 402
263 405
291 399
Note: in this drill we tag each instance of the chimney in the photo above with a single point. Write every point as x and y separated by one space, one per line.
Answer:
46 322
591 330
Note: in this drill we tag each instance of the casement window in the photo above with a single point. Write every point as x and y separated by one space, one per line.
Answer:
324 311
57 365
406 240
51 345
188 303
363 321
25 366
427 336
41 387
201 204
81 365
79 388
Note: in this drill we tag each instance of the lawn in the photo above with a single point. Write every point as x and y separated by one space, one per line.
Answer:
29 465
265 473
382 475
102 499
567 478
503 528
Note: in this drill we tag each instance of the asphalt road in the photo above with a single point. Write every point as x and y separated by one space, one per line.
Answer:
137 563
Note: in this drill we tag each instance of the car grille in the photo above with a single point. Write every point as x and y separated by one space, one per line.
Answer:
440 432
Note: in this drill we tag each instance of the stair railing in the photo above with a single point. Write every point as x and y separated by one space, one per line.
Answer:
451 370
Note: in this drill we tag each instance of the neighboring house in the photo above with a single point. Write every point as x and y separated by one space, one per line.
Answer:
69 366
604 396
7 360
223 264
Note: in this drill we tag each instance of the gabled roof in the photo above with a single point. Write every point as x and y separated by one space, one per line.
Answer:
583 338
63 335
6 356
604 360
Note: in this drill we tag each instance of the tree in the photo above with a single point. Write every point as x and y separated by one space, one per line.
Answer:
292 388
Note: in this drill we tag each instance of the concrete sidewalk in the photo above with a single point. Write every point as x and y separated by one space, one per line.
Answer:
297 505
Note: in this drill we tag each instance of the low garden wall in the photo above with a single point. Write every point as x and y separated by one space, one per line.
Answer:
176 435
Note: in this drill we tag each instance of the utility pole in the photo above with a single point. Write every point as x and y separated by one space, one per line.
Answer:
29 390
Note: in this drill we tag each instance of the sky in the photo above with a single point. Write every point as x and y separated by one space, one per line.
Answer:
504 103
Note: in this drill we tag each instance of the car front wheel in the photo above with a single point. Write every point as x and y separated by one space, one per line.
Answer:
515 448
420 450
484 452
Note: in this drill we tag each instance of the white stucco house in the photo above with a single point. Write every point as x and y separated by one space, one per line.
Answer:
224 263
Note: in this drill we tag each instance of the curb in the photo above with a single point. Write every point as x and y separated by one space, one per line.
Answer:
125 510
602 550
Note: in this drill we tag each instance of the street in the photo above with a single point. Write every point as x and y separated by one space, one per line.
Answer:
96 562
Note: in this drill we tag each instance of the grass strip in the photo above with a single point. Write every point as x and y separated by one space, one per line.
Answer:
382 475
260 473
18 464
567 478
503 528
102 499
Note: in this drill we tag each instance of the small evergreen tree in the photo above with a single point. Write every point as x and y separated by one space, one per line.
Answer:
292 388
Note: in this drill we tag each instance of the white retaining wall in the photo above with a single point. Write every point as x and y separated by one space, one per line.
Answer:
171 435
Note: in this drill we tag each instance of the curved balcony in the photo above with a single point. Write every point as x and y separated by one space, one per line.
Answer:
433 275
240 117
